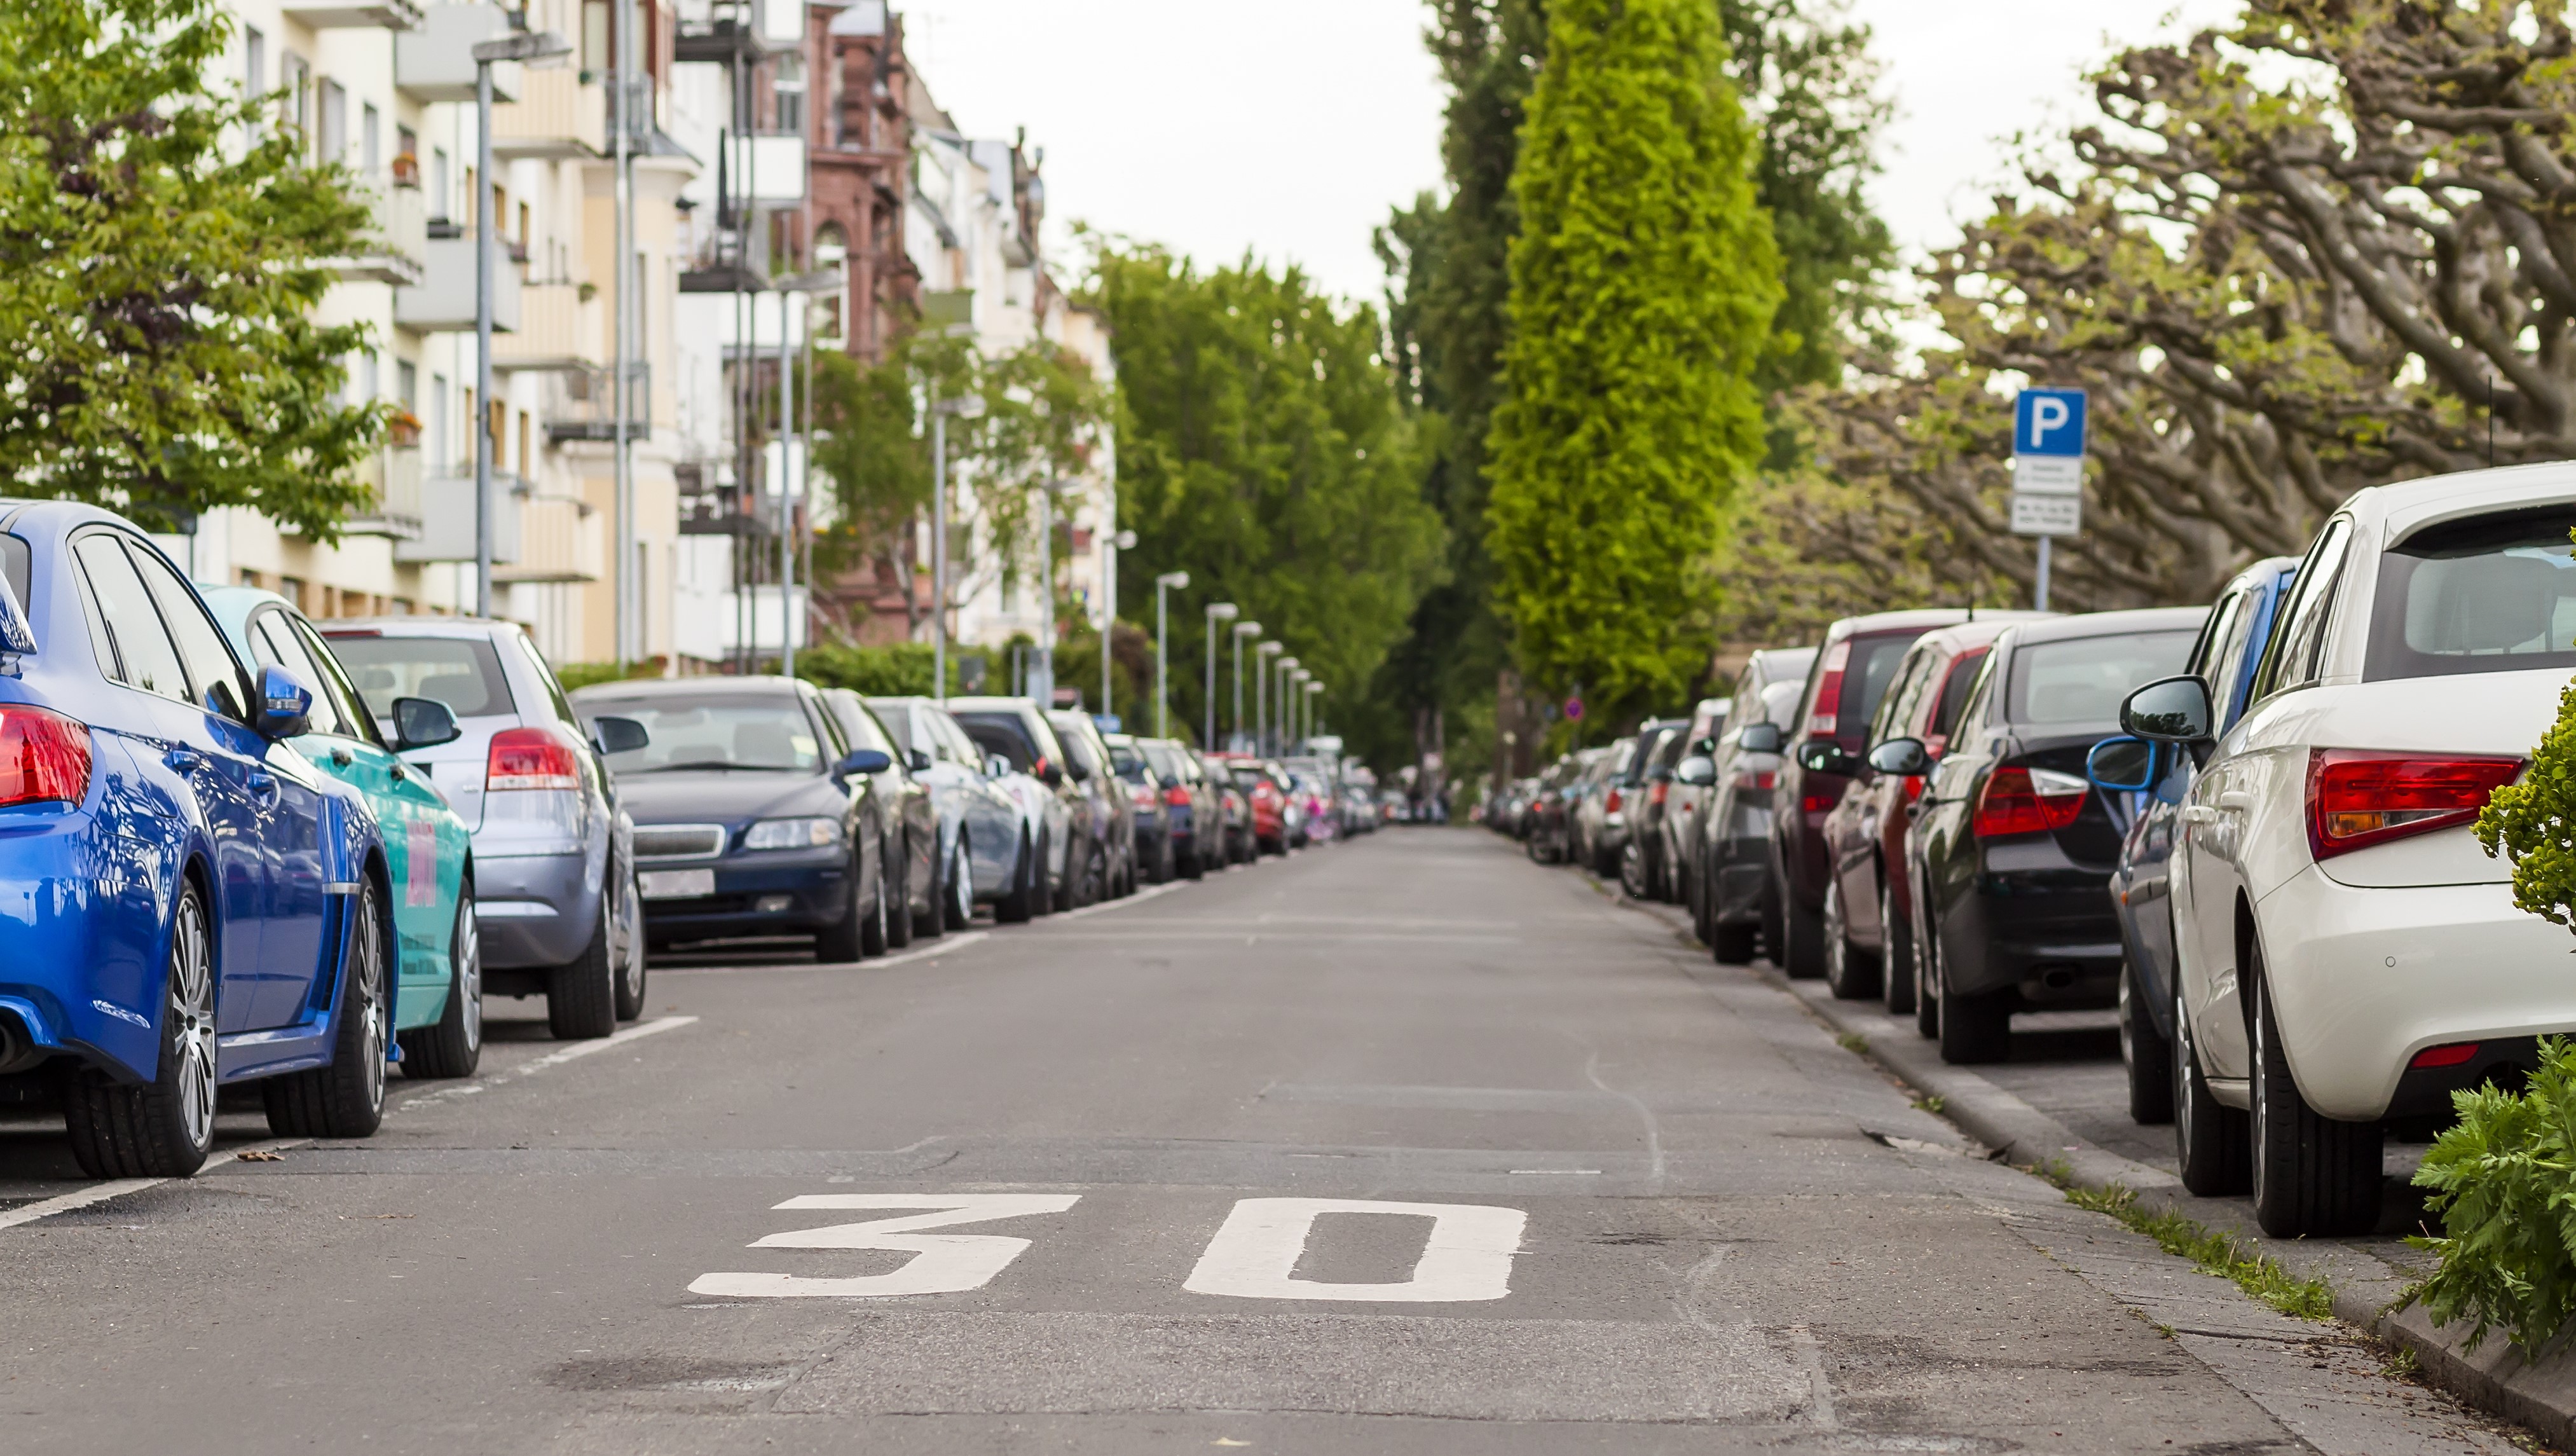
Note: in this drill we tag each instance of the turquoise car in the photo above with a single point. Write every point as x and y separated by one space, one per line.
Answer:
438 1009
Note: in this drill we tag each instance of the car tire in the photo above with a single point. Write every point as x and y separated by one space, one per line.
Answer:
627 948
1927 975
1850 972
958 909
844 941
1975 1030
2210 1138
899 903
453 1045
581 997
876 928
2313 1175
1695 899
345 1099
166 1127
1800 950
1028 886
2146 1055
1774 930
1896 962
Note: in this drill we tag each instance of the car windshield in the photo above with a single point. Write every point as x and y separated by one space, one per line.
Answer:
763 734
1130 762
2083 679
2490 594
462 672
898 723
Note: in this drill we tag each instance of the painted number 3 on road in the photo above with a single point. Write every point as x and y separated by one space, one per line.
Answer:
1466 1252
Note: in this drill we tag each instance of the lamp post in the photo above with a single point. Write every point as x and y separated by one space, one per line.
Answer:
1262 657
1314 701
1292 698
1216 612
1242 630
964 407
1162 632
534 47
1279 705
1044 683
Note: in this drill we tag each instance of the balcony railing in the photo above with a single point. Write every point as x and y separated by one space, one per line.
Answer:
551 332
443 299
447 519
560 539
396 247
558 114
354 14
712 505
395 477
582 404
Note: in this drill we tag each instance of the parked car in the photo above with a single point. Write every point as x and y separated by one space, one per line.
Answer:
1158 859
989 822
2010 857
1109 860
1550 837
438 978
1729 882
204 908
555 898
1677 819
2346 953
1235 803
1869 903
914 849
752 814
2230 646
1850 675
1267 799
1193 813
1641 849
1590 810
1016 731
1315 807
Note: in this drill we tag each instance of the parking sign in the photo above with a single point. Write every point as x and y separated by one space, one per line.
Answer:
2048 422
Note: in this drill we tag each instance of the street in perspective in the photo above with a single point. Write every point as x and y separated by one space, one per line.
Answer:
1659 726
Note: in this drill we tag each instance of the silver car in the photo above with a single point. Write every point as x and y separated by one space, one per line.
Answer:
980 823
554 866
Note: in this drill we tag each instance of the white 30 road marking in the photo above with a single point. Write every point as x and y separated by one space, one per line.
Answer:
943 1263
1466 1257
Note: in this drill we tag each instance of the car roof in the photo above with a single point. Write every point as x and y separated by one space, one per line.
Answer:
2403 506
1965 635
417 626
670 687
2111 624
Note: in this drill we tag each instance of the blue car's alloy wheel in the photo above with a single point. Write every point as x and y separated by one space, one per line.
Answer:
164 1128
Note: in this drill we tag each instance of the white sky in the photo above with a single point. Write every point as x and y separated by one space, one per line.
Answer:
1290 128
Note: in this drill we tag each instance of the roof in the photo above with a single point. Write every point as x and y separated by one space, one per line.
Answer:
2112 624
2412 503
681 687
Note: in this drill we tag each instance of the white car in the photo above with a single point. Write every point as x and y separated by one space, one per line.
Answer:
2347 954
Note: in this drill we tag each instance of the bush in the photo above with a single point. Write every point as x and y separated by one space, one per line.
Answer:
2504 1183
2533 822
877 672
578 675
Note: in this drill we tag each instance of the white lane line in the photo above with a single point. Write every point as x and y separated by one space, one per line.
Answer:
119 1187
555 1058
941 946
1139 898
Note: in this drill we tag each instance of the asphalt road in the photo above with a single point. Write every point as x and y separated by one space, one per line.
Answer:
1400 1146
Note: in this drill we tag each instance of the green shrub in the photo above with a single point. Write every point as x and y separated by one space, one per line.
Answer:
875 672
2533 822
578 675
2504 1182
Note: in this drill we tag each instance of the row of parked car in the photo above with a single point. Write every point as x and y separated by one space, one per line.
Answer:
243 849
2248 827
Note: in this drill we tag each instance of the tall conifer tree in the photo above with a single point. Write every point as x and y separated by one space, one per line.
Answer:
1643 286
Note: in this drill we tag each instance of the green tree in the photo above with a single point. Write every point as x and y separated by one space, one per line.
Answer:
1261 448
1643 287
163 242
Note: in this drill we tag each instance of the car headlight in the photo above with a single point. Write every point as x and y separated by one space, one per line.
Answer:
793 834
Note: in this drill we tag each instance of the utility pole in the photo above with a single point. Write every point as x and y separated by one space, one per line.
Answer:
529 46
1261 657
786 505
625 84
1162 639
938 548
1241 631
1216 612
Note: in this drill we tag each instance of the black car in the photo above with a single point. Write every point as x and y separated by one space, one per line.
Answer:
1726 869
2013 850
911 821
1087 754
1193 811
1650 780
1158 857
753 815
1069 839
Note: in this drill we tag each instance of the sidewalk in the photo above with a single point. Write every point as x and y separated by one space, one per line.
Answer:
2367 1275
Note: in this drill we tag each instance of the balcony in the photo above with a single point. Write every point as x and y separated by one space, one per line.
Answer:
435 62
740 32
397 240
395 477
355 14
558 115
550 334
443 300
582 405
711 505
560 539
447 520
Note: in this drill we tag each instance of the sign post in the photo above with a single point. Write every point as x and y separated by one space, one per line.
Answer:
2048 471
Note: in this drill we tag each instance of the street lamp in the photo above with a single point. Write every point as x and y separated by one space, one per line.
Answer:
1292 696
1261 663
1314 700
534 47
1162 631
1278 718
1241 631
964 407
1045 693
1216 612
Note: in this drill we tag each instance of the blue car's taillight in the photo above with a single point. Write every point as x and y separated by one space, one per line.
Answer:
43 756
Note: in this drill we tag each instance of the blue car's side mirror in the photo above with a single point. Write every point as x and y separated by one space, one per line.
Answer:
863 761
2127 765
285 704
2169 710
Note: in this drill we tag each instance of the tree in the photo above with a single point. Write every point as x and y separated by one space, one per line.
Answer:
1643 287
163 243
1262 449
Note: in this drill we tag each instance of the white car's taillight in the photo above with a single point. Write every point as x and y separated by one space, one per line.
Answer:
2358 798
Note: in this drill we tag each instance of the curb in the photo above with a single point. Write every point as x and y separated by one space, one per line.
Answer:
2496 1379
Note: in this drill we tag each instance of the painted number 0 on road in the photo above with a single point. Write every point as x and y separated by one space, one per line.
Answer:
1466 1253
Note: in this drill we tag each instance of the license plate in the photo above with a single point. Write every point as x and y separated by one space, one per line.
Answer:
676 884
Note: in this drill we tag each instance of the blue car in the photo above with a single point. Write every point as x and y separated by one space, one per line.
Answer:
2150 785
185 901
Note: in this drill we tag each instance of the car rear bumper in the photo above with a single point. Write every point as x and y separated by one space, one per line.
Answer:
1742 868
2364 978
82 967
2053 935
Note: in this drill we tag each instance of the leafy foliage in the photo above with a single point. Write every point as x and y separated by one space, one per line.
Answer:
2532 822
2503 1180
1262 450
1643 286
162 246
901 670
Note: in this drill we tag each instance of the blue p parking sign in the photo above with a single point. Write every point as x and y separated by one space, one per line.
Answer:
2048 422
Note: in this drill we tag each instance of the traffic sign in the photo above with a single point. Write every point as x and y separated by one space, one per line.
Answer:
2048 422
1574 709
2047 514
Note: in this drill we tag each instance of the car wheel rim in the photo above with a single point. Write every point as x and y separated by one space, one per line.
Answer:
630 952
192 1010
2185 1073
2262 1102
469 977
368 982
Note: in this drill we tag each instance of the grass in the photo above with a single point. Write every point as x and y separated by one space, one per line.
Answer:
2221 1254
1931 1102
1853 1042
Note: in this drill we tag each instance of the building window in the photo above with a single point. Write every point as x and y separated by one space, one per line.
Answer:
438 439
293 590
789 87
295 81
442 202
370 138
254 60
332 143
249 578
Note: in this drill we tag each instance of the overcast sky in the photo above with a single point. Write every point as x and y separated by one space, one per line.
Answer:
1218 126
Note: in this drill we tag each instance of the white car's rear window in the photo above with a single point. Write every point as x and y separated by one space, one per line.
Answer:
2491 593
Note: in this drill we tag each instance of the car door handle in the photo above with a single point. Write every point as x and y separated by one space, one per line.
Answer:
184 760
2236 799
2198 814
263 783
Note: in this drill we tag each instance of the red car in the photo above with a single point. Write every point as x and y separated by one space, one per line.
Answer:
1264 786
